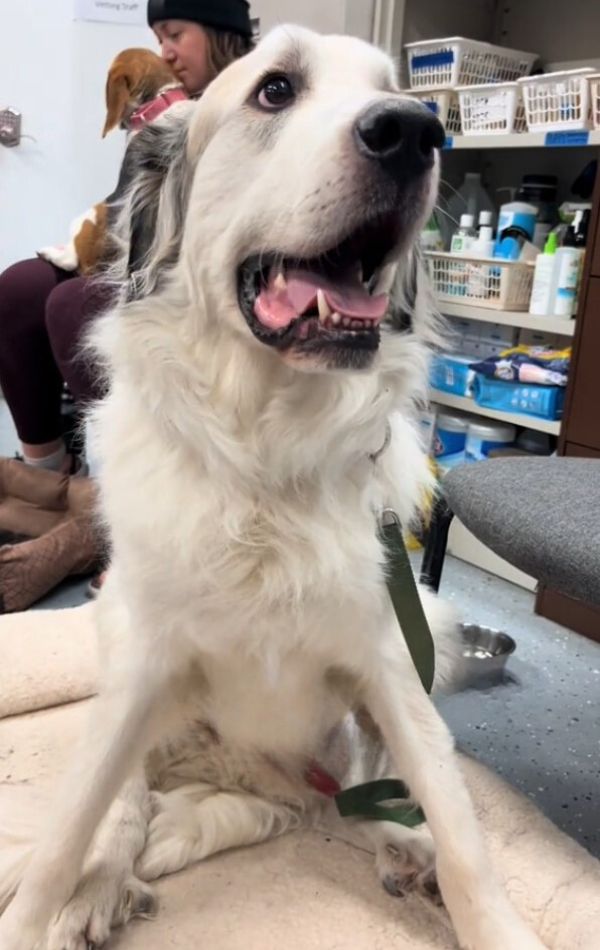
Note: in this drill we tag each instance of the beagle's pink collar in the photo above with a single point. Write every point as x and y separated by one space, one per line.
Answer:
151 110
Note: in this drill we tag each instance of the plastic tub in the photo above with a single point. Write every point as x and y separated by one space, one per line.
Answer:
444 104
594 81
557 102
495 283
456 61
492 109
484 437
450 437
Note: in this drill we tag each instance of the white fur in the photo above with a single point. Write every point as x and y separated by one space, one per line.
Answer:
246 611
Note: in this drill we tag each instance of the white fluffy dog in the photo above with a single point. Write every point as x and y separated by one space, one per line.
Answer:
253 661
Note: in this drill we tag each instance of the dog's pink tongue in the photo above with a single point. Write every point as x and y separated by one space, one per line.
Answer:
283 300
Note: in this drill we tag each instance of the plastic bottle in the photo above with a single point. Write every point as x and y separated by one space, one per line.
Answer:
486 220
478 276
483 246
463 239
569 259
516 216
544 279
431 236
471 198
540 191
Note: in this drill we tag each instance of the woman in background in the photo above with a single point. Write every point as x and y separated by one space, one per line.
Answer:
44 310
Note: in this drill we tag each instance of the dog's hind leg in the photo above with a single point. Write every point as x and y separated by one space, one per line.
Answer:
195 821
121 728
423 754
109 893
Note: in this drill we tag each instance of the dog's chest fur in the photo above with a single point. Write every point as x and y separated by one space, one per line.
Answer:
248 539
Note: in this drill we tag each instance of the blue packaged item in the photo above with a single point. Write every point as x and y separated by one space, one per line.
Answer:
545 402
528 364
452 374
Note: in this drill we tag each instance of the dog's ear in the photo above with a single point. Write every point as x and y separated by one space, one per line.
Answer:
117 98
150 202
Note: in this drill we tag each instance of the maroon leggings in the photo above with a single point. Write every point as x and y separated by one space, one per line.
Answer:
44 313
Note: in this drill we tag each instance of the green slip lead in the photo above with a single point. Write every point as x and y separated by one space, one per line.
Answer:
364 801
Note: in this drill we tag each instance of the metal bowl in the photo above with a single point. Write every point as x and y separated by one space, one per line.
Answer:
485 651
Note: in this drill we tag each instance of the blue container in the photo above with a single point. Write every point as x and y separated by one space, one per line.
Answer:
545 402
450 438
452 374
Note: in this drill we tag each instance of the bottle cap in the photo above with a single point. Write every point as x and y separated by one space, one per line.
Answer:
467 220
551 245
485 218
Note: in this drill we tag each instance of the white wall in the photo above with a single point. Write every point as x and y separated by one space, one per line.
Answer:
326 16
53 70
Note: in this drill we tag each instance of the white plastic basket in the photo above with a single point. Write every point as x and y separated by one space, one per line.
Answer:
444 103
491 283
492 109
456 61
594 81
557 102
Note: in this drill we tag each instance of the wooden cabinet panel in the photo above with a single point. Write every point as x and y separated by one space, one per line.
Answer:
596 256
574 614
582 425
581 451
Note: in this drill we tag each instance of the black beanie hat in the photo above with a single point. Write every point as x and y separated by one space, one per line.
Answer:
230 15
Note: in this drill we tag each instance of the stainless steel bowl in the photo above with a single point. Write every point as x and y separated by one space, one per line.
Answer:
486 651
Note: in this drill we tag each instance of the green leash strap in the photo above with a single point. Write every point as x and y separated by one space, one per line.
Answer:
364 801
408 608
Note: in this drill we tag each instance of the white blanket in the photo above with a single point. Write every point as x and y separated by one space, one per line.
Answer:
301 892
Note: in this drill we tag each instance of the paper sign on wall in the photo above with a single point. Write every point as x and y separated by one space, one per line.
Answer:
131 12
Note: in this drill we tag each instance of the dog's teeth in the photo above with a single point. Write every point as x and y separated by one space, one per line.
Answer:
358 324
347 322
280 283
385 280
324 308
336 318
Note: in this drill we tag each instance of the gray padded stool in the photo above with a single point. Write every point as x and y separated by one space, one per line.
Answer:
540 514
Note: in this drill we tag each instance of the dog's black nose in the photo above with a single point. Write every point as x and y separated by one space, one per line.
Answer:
401 136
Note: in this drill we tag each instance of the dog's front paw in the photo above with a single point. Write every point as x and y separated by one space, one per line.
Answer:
170 845
406 862
101 902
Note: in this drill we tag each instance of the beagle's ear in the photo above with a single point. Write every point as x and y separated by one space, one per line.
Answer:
117 97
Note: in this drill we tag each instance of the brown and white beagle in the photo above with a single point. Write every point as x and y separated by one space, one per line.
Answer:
140 86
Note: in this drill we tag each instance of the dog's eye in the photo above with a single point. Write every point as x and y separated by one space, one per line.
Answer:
275 92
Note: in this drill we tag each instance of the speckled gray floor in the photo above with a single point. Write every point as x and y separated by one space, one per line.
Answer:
540 729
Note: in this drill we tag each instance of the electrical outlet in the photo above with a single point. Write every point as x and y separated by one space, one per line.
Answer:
10 127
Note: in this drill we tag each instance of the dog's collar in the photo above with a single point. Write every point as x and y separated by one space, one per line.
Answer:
151 110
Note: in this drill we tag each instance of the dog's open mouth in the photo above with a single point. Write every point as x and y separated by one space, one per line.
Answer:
329 300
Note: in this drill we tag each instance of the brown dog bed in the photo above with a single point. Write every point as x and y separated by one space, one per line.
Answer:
48 532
